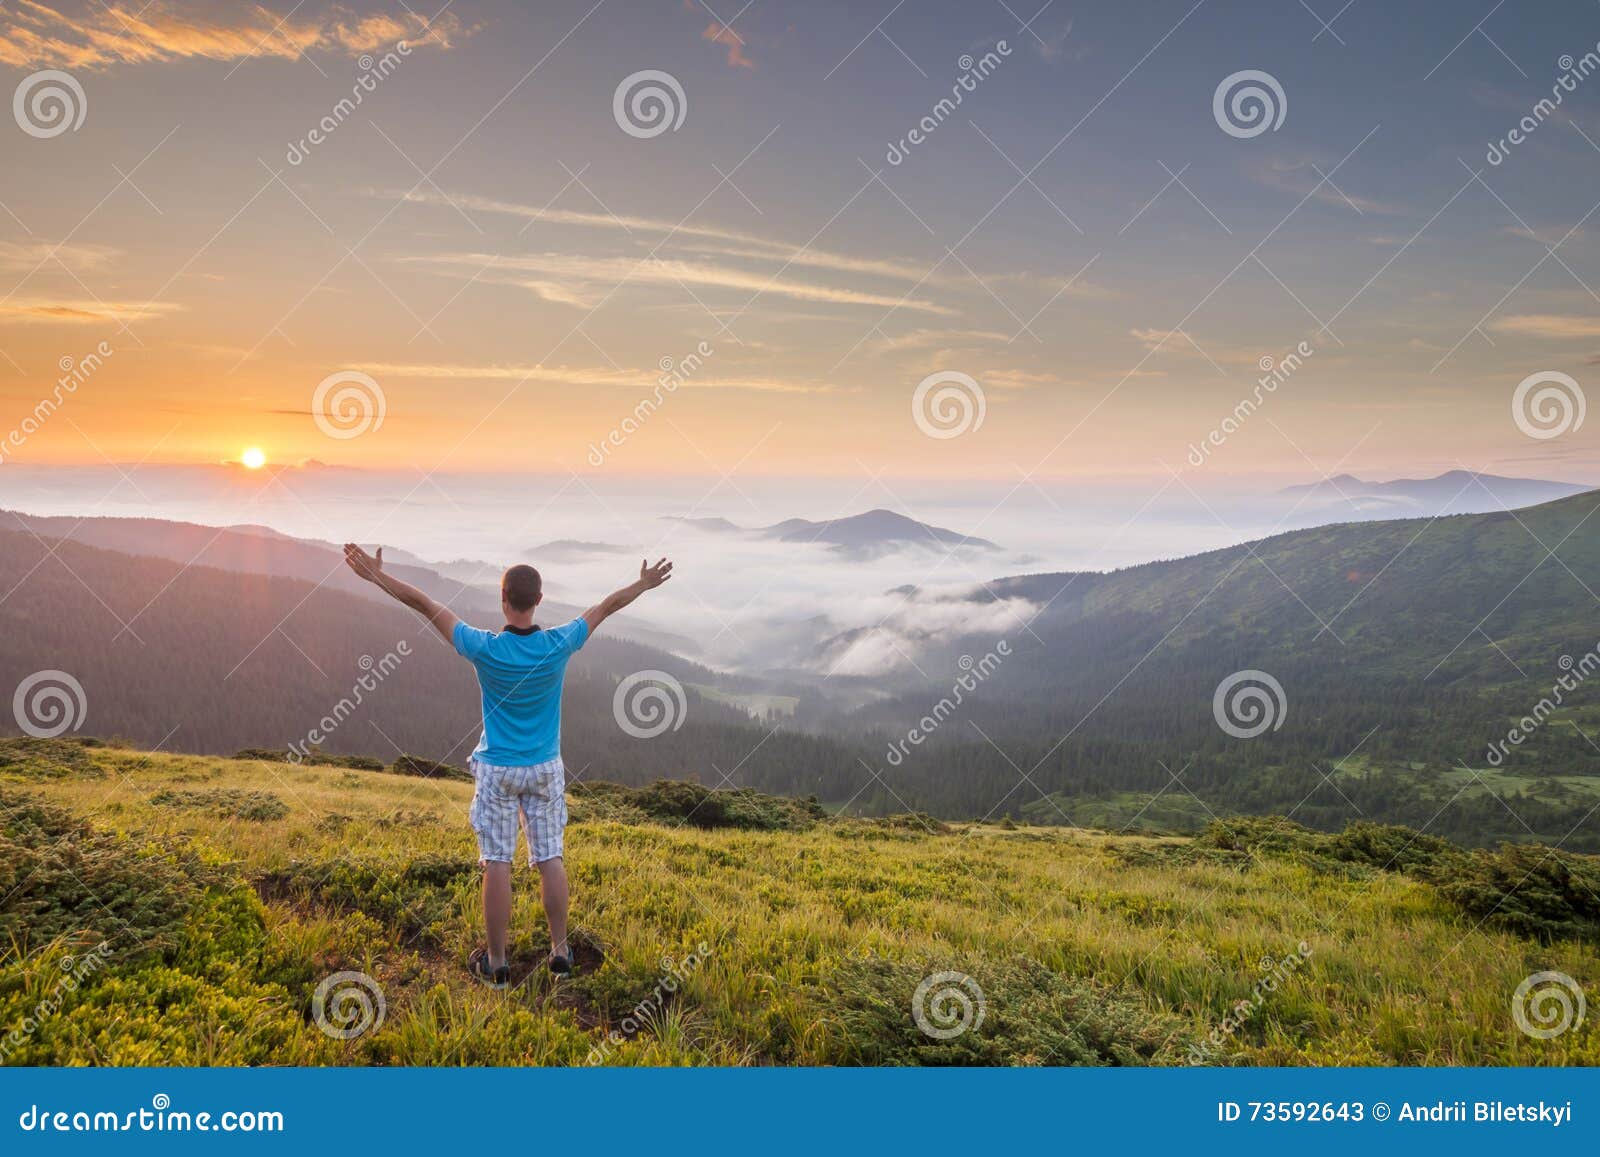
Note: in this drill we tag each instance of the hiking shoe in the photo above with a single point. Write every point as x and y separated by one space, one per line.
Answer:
561 965
478 965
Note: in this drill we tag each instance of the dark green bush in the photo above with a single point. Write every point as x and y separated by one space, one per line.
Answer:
428 769
1529 889
1031 1016
683 801
61 879
225 803
22 756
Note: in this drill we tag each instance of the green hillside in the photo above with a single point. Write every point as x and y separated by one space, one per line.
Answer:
733 928
1405 651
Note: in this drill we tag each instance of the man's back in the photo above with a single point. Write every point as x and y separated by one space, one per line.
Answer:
520 674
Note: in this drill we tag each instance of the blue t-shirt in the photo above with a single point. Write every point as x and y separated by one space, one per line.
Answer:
520 676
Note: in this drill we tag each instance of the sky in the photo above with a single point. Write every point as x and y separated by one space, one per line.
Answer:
1074 273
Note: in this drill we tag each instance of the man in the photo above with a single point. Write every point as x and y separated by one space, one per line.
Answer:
517 765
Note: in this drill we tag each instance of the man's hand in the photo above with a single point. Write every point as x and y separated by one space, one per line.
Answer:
650 577
654 576
370 567
365 565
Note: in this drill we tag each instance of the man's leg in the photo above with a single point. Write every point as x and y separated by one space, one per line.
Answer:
497 908
553 891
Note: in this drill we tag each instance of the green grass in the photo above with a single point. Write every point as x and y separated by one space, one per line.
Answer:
724 945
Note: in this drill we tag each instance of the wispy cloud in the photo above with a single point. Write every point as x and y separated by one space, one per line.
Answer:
121 32
570 376
42 311
1304 178
1554 325
738 244
572 272
16 256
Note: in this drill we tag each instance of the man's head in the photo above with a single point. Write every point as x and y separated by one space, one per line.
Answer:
520 590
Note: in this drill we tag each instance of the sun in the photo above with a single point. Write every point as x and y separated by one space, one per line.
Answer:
253 458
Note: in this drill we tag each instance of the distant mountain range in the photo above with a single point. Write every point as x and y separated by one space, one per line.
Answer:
861 535
1454 492
260 550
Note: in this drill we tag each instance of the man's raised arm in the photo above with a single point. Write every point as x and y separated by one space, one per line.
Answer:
650 577
370 567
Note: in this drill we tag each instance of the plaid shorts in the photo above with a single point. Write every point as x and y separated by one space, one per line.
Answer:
537 793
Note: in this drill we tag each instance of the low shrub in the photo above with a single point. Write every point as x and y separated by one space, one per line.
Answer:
225 803
24 757
1529 889
428 768
1030 1016
685 802
62 880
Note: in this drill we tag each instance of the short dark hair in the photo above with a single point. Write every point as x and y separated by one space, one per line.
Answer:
521 587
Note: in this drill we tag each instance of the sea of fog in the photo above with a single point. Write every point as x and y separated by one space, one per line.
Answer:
748 602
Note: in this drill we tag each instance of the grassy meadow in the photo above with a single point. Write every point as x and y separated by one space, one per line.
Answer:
195 905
